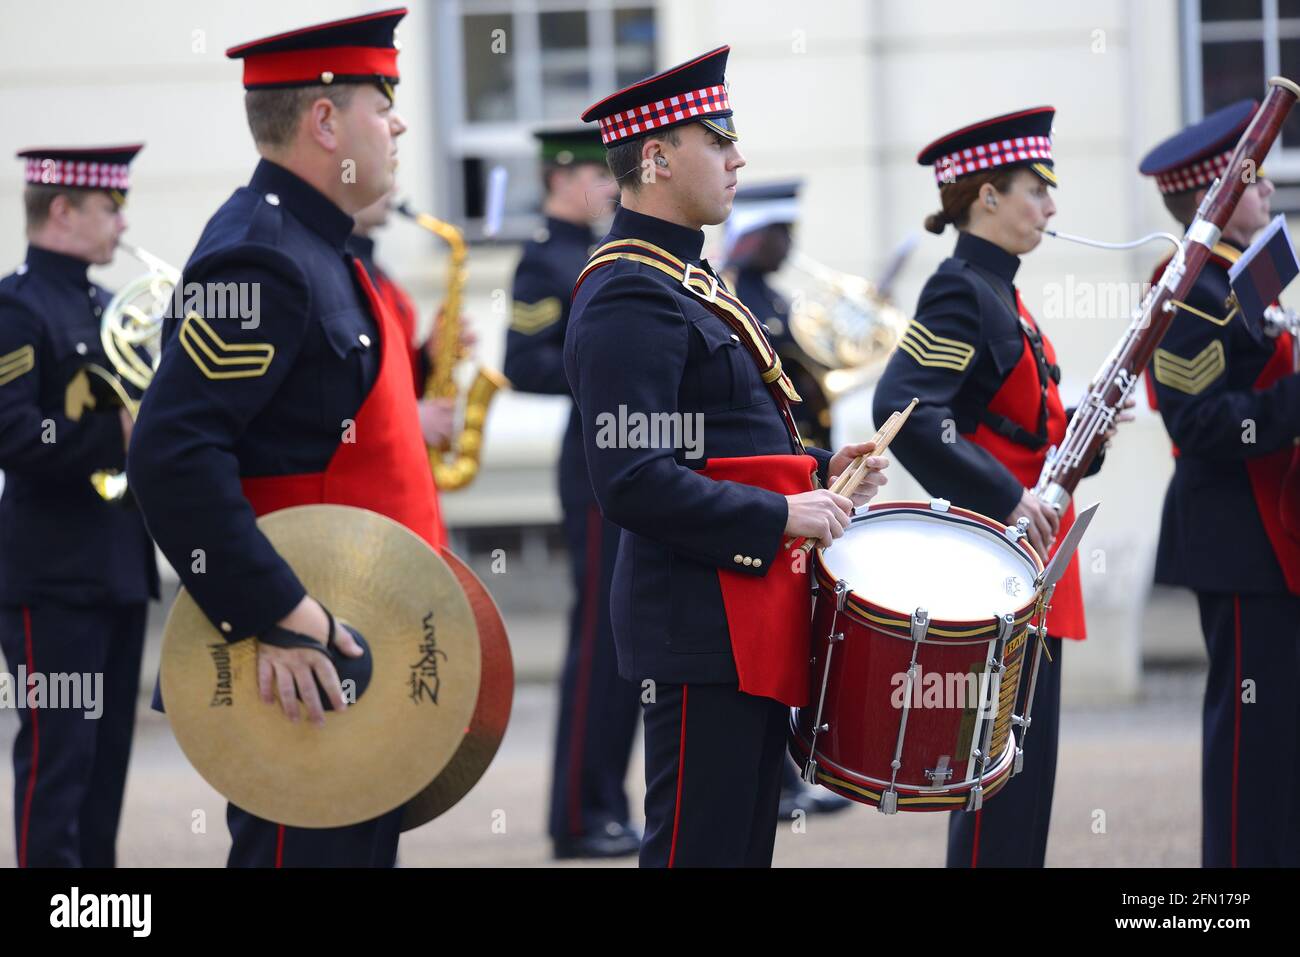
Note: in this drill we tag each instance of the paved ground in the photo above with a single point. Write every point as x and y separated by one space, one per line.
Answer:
1132 770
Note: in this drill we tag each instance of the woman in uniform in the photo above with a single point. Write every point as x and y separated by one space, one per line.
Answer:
989 411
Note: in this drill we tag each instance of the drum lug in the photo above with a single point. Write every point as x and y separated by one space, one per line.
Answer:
920 624
810 771
889 802
1019 764
841 594
940 505
1016 532
823 728
976 798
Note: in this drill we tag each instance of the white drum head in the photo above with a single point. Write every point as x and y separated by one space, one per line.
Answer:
956 570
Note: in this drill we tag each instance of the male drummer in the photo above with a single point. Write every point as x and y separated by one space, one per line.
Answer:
302 404
1230 399
710 611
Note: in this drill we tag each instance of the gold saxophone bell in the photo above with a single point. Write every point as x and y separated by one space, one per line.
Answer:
456 463
130 331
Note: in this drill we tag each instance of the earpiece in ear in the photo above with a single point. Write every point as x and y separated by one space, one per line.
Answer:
990 202
660 161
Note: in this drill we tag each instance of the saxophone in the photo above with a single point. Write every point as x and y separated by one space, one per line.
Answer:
455 463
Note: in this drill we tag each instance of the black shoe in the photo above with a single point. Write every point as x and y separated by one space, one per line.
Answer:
821 801
815 800
789 804
612 840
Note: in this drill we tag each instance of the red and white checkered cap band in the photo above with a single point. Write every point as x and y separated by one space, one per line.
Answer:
1016 150
1201 173
674 109
54 172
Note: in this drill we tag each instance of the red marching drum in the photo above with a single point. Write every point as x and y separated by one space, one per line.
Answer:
923 617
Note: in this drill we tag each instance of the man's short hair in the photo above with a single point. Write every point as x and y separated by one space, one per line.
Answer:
37 198
624 158
273 114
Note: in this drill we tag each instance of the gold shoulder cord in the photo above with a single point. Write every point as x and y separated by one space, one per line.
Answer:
1231 304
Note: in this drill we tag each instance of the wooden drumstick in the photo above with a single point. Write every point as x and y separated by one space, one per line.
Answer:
848 481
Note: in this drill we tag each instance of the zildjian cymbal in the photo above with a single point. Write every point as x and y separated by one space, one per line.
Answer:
491 713
404 727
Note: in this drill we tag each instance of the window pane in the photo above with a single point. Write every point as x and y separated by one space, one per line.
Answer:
489 67
1288 8
634 37
1231 71
1230 10
523 189
566 74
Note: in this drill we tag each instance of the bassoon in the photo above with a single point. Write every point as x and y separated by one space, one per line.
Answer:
1067 463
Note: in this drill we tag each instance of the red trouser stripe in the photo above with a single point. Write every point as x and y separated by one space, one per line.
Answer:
681 774
975 844
590 599
279 845
36 743
1236 722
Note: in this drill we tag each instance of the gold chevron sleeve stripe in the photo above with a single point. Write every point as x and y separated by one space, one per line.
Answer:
1191 376
934 351
17 363
531 317
216 358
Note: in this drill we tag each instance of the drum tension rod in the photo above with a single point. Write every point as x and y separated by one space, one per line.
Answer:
832 639
1006 625
920 625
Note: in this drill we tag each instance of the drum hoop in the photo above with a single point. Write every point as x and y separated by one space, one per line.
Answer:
892 620
908 793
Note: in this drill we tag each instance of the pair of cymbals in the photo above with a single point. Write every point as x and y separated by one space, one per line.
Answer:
420 734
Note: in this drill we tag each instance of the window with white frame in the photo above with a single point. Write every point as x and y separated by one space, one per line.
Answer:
1230 49
511 66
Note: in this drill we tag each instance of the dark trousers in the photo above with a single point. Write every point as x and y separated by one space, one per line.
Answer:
70 767
713 760
598 709
260 843
1010 830
1250 758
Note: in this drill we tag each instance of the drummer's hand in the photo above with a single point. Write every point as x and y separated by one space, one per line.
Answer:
820 515
1043 522
1126 414
872 481
279 670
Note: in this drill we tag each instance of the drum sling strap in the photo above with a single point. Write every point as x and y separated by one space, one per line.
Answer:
702 283
1046 372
